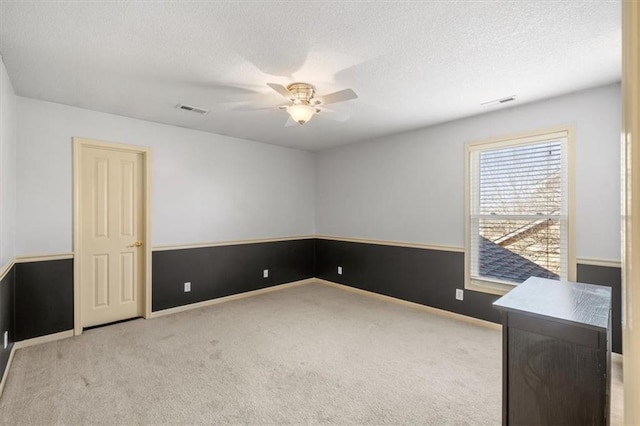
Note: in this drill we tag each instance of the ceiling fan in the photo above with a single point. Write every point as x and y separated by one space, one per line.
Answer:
304 103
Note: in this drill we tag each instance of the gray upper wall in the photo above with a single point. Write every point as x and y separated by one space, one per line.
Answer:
208 188
7 168
205 187
410 186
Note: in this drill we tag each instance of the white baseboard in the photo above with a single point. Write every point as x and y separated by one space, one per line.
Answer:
43 339
27 343
616 357
414 305
6 369
210 302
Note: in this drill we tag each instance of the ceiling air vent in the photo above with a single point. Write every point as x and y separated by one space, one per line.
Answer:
500 101
192 108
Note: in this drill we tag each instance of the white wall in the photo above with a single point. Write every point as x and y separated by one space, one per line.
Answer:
206 187
7 168
410 187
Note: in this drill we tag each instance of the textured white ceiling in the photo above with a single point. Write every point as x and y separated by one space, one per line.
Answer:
411 63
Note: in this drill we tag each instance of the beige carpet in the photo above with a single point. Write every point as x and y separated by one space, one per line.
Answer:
307 354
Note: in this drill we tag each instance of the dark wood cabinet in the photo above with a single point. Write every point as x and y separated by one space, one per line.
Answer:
556 353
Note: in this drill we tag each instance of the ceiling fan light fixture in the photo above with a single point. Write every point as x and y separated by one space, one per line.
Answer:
301 113
303 103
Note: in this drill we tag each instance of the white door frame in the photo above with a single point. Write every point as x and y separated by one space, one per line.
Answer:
631 209
78 145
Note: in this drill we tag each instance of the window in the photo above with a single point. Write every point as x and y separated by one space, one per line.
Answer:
518 211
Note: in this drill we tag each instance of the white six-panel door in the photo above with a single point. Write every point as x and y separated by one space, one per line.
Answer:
111 235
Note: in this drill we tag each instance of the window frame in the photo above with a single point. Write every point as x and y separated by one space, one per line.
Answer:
500 287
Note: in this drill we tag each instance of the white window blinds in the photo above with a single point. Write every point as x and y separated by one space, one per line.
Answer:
519 209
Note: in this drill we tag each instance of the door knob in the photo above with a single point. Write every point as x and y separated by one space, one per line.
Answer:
136 244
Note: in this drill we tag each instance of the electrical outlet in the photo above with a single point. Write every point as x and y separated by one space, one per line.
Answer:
187 287
265 273
339 270
6 339
459 294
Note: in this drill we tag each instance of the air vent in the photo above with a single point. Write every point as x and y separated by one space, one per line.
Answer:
500 101
192 108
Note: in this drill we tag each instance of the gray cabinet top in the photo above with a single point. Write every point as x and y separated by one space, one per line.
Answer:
584 305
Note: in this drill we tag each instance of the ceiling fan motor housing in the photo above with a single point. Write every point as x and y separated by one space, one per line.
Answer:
303 92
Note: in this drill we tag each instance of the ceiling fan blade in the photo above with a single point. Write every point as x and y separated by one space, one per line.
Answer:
283 91
334 115
230 89
218 93
341 96
249 109
245 108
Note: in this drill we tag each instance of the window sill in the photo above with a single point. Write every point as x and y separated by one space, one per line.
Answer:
489 287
